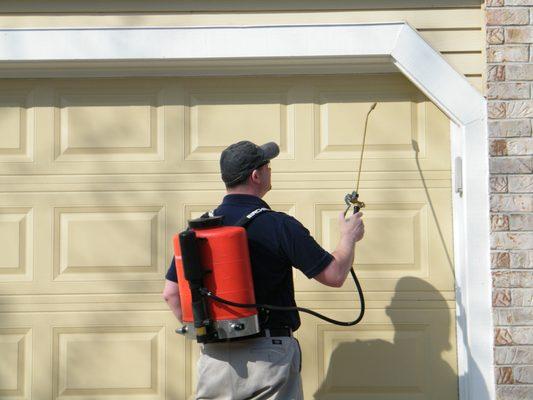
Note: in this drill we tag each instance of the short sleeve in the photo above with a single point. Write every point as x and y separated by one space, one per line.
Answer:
171 273
301 248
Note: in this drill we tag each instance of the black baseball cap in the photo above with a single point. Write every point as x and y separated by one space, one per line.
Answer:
239 160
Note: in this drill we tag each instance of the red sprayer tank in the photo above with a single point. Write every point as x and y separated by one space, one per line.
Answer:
224 257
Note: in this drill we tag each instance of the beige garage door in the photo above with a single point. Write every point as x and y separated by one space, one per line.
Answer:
97 175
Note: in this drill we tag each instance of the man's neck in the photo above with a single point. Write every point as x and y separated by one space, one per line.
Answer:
249 191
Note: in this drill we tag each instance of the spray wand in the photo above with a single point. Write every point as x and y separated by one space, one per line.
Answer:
353 198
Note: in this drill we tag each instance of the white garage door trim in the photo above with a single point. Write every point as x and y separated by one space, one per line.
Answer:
297 49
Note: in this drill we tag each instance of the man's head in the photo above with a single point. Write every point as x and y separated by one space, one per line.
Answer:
245 165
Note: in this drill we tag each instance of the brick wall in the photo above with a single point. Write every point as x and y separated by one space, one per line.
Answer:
510 109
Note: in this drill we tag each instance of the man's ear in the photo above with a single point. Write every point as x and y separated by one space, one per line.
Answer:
254 176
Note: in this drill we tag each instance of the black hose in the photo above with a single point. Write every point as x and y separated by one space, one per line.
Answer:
207 293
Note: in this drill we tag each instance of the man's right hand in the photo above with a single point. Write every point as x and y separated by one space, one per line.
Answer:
352 228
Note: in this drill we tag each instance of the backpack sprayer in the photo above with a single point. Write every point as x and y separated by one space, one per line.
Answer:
211 258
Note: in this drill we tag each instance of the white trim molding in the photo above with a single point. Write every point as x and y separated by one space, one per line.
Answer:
302 49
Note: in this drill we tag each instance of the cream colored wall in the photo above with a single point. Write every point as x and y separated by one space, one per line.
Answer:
97 175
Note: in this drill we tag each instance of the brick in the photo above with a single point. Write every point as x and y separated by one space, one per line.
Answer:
517 335
503 337
507 16
499 222
519 35
498 184
495 36
511 165
496 54
497 109
521 297
521 222
520 183
518 355
500 259
512 241
523 374
521 259
520 147
501 297
495 73
494 3
522 335
511 202
500 280
512 279
519 72
498 147
508 91
513 316
519 2
520 109
510 128
504 375
514 392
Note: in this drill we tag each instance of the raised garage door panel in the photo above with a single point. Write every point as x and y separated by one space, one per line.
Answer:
97 175
101 241
405 234
395 354
91 355
176 125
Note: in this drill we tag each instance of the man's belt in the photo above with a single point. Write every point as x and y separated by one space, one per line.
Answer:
272 332
266 332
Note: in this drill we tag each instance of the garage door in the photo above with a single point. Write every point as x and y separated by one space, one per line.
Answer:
97 175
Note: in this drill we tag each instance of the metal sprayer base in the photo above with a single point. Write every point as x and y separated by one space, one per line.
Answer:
226 329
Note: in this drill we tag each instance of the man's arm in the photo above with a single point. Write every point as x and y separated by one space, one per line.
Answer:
171 295
352 230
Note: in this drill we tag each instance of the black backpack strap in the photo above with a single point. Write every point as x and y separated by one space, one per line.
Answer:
208 214
245 220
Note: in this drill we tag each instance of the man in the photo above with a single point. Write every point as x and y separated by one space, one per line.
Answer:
268 366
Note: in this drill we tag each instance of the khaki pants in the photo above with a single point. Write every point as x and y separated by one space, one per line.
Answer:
265 368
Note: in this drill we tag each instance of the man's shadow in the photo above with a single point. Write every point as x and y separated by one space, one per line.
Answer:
407 364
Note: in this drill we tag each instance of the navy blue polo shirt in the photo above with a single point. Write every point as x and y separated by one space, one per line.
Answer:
277 242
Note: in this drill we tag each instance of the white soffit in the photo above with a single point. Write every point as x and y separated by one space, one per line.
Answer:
289 49
301 49
190 43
